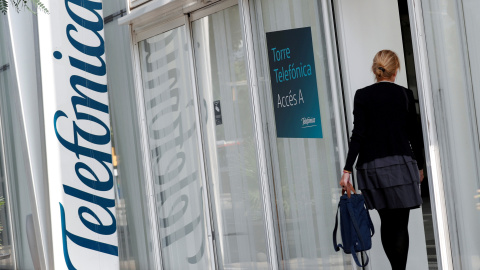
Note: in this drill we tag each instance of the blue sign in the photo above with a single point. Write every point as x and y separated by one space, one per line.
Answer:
294 84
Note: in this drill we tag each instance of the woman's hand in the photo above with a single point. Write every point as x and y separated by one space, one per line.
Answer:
421 175
346 184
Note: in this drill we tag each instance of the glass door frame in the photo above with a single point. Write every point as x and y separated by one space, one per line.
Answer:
139 34
7 170
255 100
137 37
10 204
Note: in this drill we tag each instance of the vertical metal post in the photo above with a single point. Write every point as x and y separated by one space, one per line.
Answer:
18 105
432 155
206 193
147 170
258 127
333 70
7 190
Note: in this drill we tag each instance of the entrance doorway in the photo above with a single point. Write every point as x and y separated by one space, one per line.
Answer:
362 30
232 161
412 84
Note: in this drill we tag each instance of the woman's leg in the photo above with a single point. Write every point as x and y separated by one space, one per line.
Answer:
394 234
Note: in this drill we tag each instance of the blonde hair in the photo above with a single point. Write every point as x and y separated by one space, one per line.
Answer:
385 64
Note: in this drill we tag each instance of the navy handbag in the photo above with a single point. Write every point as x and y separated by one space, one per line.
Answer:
356 227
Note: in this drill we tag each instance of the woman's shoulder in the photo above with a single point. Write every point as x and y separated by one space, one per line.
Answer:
378 90
382 85
365 89
368 90
408 91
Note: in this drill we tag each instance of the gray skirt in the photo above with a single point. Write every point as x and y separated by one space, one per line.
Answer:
390 182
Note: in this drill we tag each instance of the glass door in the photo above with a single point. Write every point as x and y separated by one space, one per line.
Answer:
175 189
229 138
306 166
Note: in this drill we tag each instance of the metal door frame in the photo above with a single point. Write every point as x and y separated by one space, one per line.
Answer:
432 154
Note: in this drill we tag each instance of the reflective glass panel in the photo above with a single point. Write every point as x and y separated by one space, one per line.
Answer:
306 171
6 245
15 190
229 136
173 150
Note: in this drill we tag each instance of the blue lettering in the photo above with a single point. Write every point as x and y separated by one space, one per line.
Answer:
95 70
88 50
85 173
96 139
279 55
77 149
81 241
95 184
104 203
90 6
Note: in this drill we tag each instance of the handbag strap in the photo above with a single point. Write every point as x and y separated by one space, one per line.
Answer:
335 245
355 225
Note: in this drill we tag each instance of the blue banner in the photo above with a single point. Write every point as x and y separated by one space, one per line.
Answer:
294 84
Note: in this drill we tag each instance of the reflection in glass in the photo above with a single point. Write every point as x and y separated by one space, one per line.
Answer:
6 246
173 150
14 185
133 226
231 153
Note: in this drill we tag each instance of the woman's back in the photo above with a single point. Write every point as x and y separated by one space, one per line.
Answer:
384 120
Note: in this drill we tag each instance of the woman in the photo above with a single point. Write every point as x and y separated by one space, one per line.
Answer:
389 172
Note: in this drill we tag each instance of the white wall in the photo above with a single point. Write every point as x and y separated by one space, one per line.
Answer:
364 28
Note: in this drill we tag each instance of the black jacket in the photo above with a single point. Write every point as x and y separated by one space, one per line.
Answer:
383 126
